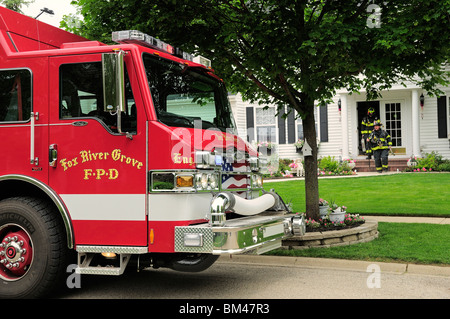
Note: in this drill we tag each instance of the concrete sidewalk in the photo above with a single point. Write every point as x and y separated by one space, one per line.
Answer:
410 219
358 174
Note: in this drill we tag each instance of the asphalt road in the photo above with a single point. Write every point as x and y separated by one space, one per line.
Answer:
249 278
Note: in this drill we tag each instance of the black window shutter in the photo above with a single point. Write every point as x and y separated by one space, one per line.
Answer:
442 116
291 127
250 124
281 128
323 122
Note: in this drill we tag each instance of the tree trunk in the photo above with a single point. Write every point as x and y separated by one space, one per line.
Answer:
311 179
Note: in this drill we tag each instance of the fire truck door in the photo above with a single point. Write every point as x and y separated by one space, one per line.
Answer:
99 173
23 120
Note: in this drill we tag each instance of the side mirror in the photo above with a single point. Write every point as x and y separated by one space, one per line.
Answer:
113 81
113 72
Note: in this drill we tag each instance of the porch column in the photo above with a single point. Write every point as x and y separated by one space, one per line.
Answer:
344 125
415 123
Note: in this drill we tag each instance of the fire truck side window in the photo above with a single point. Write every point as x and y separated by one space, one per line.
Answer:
15 95
81 95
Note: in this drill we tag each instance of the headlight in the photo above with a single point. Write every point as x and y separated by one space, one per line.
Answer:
257 181
185 181
214 181
198 181
204 181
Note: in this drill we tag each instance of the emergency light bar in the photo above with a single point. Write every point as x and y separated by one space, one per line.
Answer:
138 37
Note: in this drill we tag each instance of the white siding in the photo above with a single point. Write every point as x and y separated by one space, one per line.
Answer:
238 107
429 140
428 127
334 145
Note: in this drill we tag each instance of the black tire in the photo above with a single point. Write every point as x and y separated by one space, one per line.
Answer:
41 223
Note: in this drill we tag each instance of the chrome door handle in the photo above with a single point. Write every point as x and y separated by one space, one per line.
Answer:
52 155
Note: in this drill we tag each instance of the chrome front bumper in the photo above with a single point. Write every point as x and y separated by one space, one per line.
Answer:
254 234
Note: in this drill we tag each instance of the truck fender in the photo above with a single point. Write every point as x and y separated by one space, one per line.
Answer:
49 193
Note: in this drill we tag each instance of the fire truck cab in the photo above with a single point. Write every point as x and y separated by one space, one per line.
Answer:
123 154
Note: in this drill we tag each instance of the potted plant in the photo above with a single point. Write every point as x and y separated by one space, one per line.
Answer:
323 207
299 145
337 213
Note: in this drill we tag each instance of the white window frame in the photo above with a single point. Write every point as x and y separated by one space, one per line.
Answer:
274 124
402 129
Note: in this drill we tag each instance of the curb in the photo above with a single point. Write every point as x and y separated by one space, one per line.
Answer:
344 264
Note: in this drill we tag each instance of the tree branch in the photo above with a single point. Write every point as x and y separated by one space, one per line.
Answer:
294 102
254 79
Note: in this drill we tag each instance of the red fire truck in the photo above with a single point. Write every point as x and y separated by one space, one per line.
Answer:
120 155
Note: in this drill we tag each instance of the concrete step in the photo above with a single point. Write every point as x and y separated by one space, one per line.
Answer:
365 165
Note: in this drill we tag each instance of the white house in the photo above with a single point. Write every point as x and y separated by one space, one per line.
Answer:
417 123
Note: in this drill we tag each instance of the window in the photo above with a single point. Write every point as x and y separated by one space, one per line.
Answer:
266 130
187 97
394 123
300 129
82 96
300 134
15 95
443 117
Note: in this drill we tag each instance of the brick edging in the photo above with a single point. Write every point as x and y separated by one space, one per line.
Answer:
361 234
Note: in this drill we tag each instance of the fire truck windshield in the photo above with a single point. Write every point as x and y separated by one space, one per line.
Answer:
187 97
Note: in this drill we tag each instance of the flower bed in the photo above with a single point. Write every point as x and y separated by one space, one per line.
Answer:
353 234
324 224
430 162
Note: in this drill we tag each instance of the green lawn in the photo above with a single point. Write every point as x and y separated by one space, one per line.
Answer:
408 194
397 242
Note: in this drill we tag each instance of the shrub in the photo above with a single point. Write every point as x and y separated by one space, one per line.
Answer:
329 164
431 161
444 166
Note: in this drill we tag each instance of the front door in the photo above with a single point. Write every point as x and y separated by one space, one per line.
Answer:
363 108
99 173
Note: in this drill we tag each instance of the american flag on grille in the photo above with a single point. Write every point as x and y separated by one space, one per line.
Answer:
232 180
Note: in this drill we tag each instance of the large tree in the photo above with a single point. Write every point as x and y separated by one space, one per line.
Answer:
15 5
295 53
